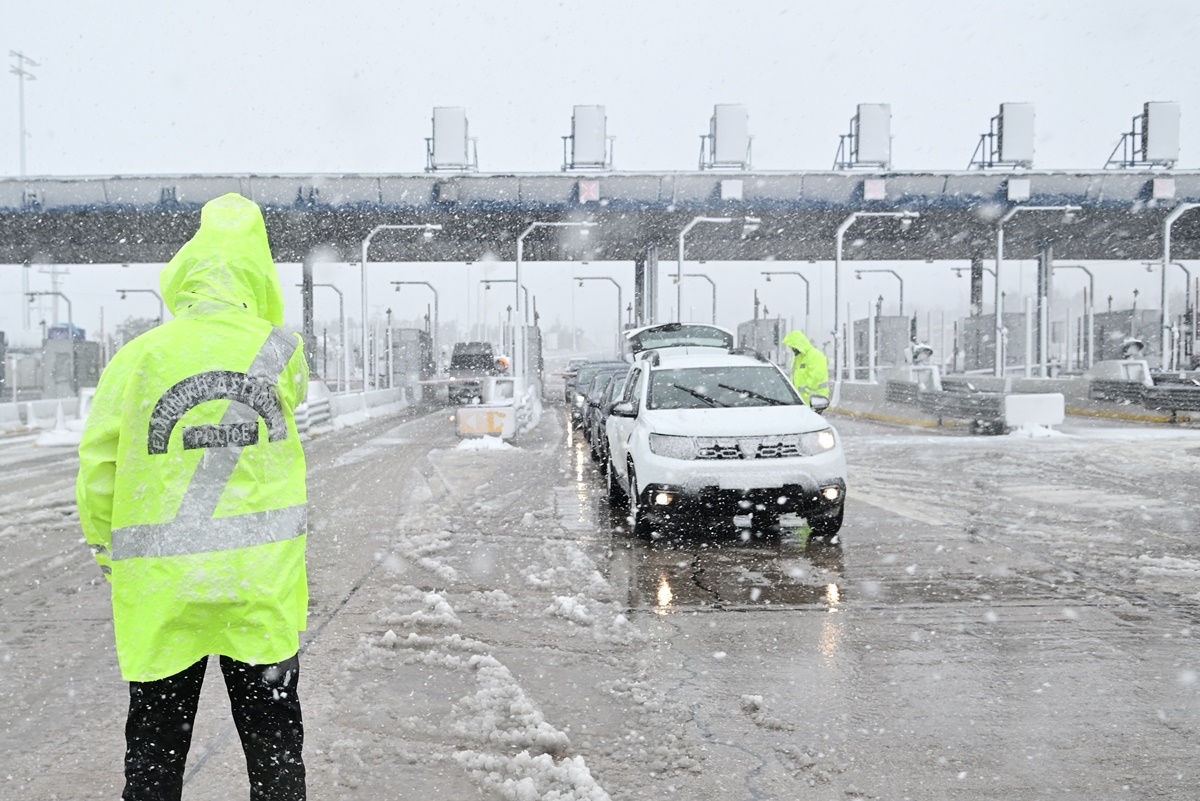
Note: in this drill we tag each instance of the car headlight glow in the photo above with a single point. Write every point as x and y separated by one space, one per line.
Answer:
672 447
818 441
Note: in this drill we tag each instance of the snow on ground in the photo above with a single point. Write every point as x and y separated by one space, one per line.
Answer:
470 528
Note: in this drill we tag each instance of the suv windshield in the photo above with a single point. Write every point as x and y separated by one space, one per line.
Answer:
719 387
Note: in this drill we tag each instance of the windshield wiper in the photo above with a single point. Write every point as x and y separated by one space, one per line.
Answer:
755 395
700 396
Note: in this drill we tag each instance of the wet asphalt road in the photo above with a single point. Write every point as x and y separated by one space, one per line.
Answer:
1002 618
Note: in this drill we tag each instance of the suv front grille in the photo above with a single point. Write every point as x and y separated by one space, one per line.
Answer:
748 447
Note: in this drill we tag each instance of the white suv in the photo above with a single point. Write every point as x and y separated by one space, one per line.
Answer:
705 432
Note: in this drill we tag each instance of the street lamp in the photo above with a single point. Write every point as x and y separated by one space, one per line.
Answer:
427 230
433 340
487 284
749 226
152 292
1091 308
906 219
344 387
858 275
807 289
519 369
711 282
1013 212
1175 214
620 305
70 333
1187 295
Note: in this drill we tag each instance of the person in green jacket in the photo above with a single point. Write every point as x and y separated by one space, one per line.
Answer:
810 368
192 497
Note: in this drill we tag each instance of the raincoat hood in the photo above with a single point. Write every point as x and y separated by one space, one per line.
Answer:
797 341
228 261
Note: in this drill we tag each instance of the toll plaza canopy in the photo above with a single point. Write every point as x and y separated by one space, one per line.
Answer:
145 219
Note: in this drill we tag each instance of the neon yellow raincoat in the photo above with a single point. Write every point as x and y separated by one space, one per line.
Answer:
810 368
191 481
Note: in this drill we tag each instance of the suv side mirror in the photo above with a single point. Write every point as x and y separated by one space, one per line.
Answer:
819 403
623 409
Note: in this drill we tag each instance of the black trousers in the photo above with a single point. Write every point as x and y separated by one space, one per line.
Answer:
266 710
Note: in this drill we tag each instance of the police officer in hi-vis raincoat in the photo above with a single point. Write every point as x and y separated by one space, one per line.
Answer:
192 496
810 368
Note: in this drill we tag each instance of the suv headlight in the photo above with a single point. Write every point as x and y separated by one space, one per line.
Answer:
672 447
818 441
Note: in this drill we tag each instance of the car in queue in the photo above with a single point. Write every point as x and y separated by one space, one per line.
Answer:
569 374
583 378
598 441
701 435
594 392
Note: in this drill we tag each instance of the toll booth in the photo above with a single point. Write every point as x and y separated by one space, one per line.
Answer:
412 360
893 334
977 341
56 366
1114 327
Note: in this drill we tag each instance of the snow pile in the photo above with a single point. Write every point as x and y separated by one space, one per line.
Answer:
501 715
421 548
666 749
434 611
572 609
533 778
756 709
486 443
1168 566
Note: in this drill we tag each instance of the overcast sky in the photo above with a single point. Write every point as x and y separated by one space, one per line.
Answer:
134 88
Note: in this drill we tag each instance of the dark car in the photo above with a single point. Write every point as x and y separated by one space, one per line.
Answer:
598 437
582 379
593 393
569 378
470 364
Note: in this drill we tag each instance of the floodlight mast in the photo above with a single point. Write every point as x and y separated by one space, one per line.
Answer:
906 217
428 228
807 290
519 367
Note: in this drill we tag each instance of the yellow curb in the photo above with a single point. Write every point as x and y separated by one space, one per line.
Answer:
1139 418
883 418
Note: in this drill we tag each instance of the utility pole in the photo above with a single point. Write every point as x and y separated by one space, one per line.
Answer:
23 75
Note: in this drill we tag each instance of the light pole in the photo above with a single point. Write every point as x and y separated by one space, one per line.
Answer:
582 278
124 292
1176 213
711 283
519 369
23 75
1091 309
858 275
70 334
906 218
1013 212
487 284
344 387
427 229
433 340
807 289
749 225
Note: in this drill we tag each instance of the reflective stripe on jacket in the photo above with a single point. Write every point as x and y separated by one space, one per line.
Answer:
810 368
191 483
